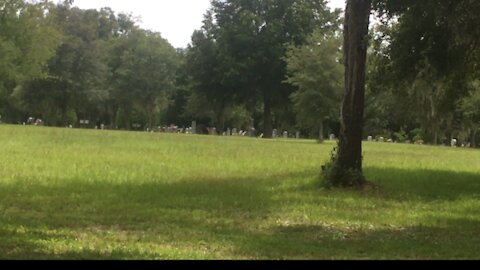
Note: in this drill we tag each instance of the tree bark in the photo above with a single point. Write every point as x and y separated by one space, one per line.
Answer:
321 138
267 118
348 162
473 137
221 120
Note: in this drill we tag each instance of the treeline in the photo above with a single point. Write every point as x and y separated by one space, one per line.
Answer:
265 64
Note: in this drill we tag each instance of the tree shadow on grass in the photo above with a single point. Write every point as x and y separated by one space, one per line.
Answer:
425 185
225 218
451 241
187 212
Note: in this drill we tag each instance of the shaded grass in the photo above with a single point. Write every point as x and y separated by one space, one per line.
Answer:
77 194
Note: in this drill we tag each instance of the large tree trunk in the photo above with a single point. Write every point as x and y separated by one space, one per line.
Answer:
347 167
267 118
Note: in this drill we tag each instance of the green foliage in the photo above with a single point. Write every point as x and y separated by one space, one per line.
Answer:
418 134
71 117
401 136
244 48
142 66
334 175
424 57
27 40
122 120
317 73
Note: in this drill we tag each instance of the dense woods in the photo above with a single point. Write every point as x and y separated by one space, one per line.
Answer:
270 65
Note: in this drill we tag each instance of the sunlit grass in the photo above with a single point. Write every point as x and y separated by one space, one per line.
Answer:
91 194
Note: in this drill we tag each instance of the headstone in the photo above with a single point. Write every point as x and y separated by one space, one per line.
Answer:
285 134
390 140
261 135
274 133
102 126
297 135
234 132
332 137
370 138
381 139
454 143
229 132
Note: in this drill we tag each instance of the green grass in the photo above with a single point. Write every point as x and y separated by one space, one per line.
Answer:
86 194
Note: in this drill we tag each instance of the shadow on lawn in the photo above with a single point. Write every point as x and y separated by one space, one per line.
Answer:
228 212
453 241
425 185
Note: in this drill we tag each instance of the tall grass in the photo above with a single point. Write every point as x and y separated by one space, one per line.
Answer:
92 194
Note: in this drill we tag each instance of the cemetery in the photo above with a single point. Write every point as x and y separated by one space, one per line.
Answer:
263 130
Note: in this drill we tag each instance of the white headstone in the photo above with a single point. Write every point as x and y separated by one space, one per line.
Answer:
454 143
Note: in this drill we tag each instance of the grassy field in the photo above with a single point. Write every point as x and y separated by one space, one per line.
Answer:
88 194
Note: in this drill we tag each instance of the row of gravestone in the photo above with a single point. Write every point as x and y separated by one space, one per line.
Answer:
453 142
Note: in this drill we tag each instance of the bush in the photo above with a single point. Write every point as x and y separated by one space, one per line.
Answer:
334 175
401 136
417 135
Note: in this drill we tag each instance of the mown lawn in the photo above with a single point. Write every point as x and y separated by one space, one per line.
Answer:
91 194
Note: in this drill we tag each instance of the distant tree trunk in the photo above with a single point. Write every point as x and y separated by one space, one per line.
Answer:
267 118
473 137
151 112
320 132
346 169
221 118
